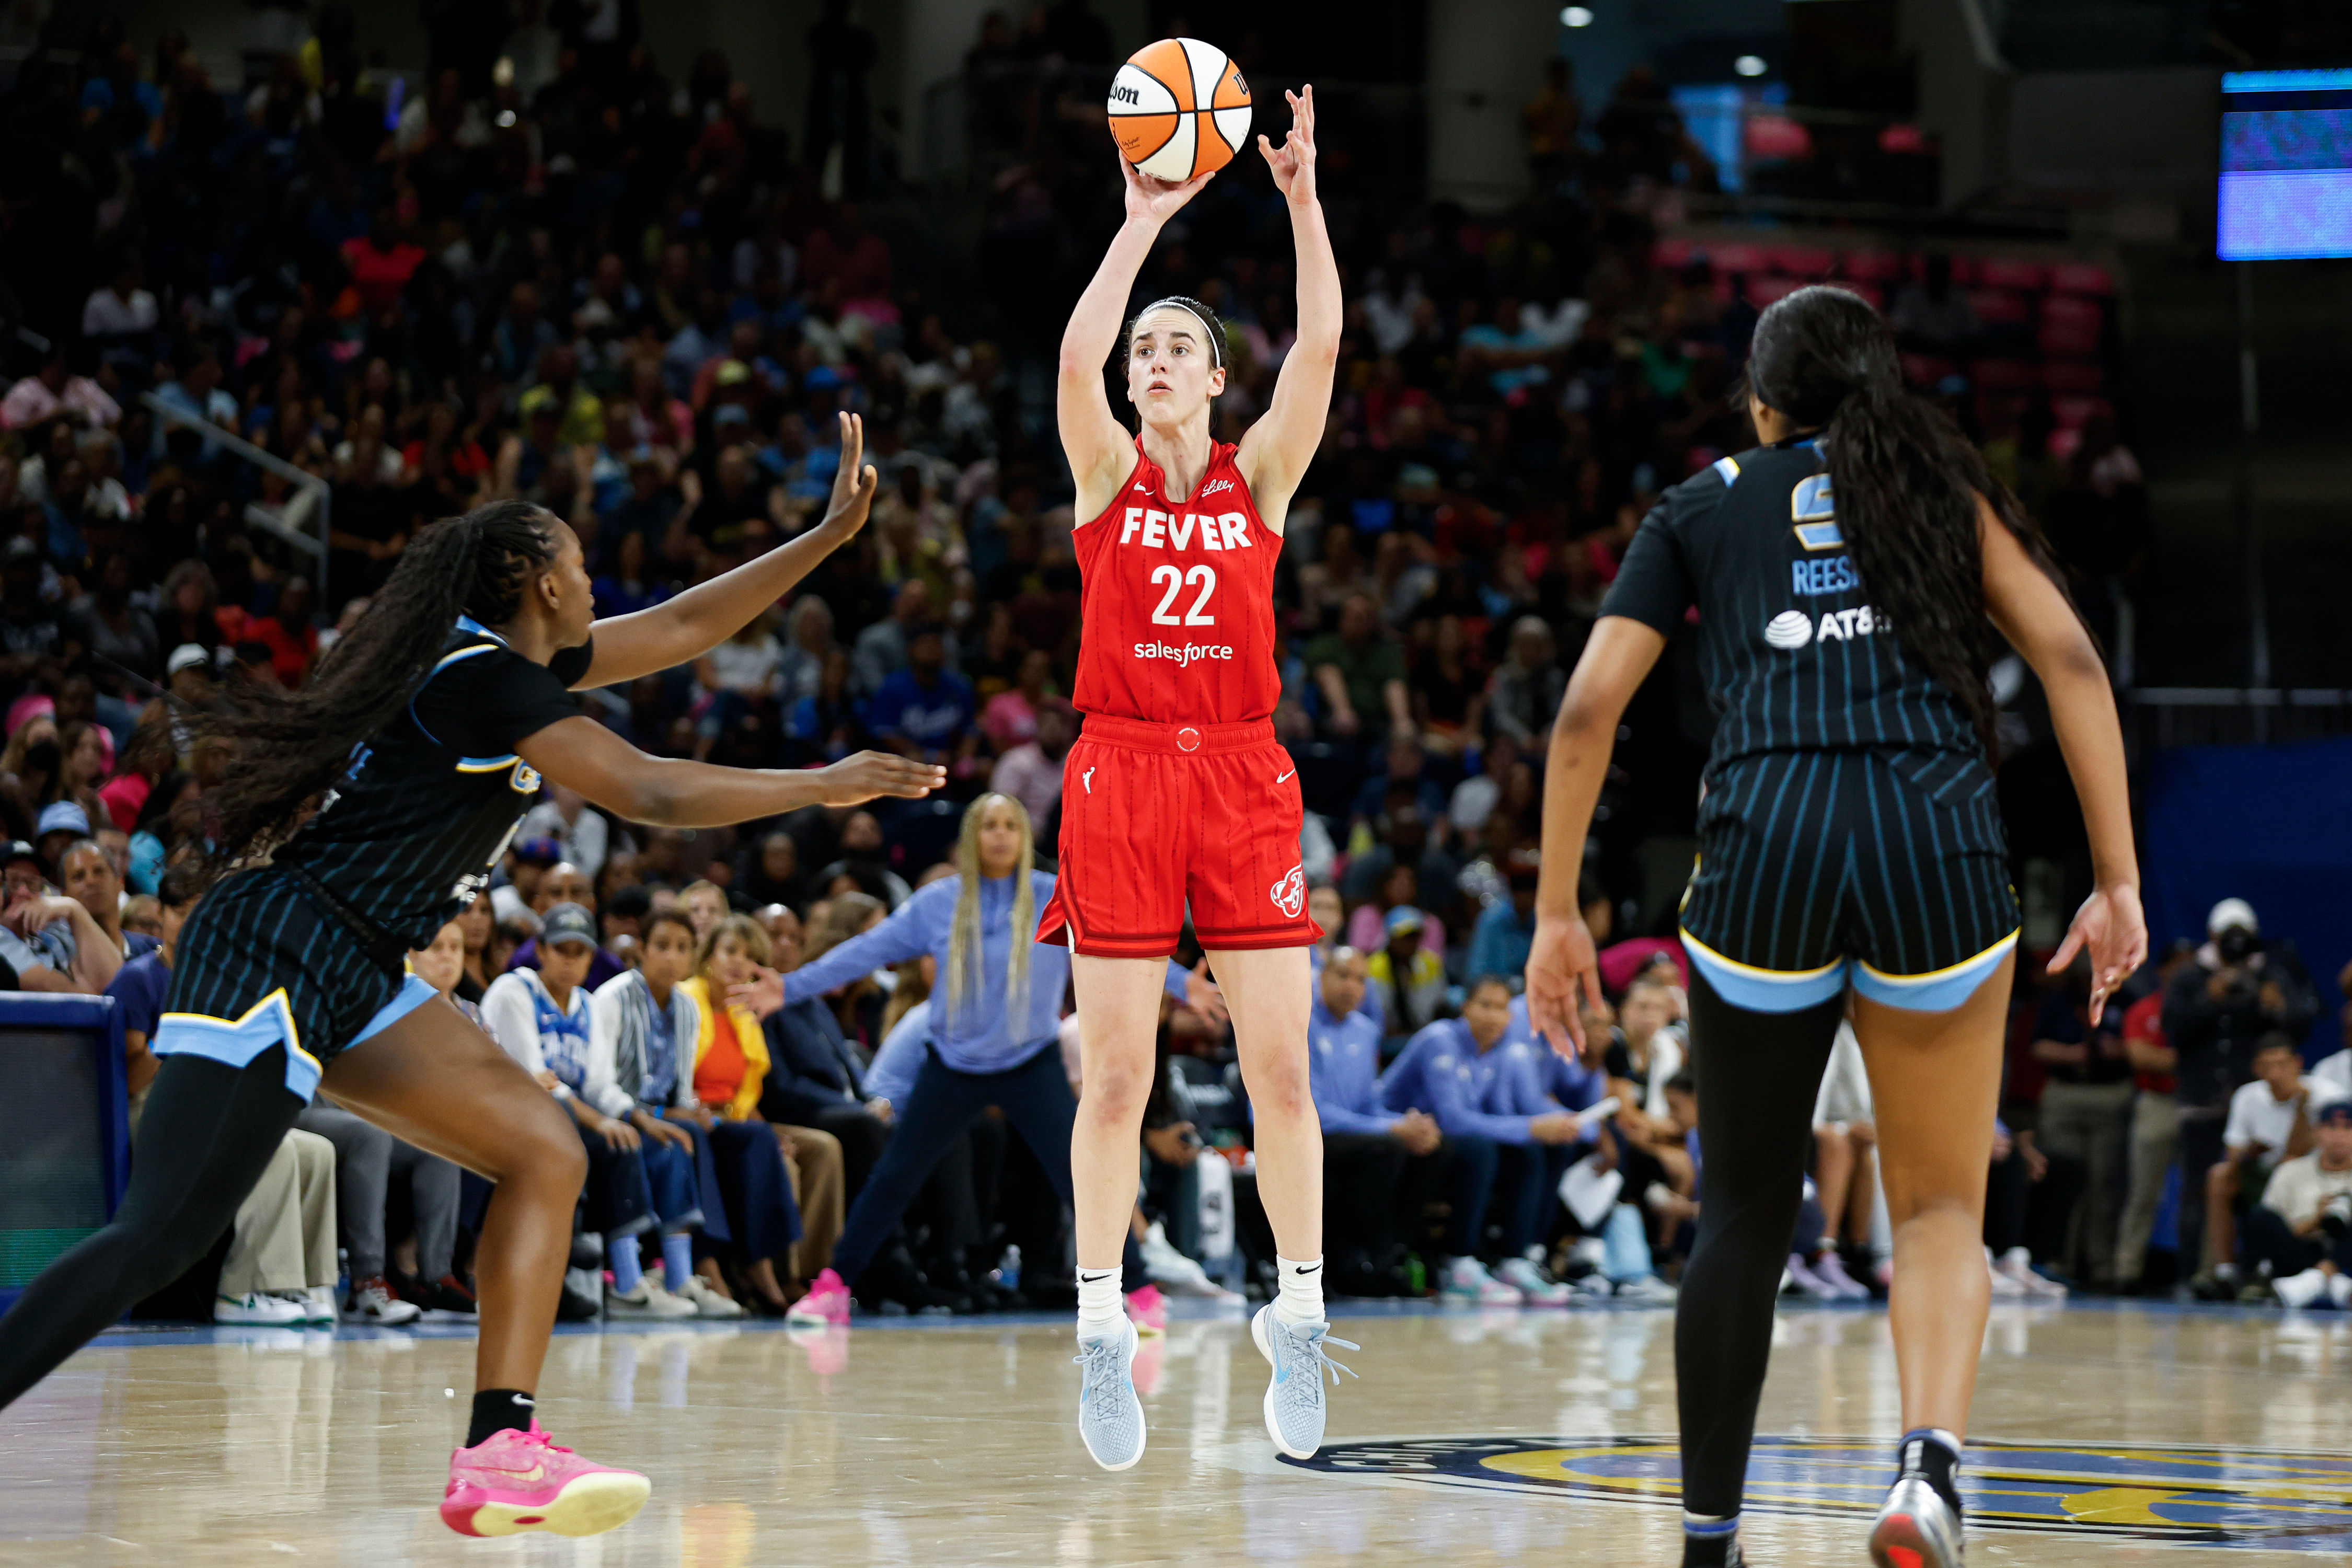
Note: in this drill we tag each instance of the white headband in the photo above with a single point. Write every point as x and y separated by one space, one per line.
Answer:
1208 328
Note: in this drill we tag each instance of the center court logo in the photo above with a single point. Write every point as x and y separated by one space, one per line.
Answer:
2229 1498
1289 895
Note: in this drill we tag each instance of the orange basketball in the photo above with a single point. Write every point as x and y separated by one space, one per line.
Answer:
1179 109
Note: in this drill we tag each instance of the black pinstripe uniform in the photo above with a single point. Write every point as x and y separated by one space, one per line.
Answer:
1849 829
309 950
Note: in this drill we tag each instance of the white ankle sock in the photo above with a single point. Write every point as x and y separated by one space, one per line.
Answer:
1301 1300
1100 1308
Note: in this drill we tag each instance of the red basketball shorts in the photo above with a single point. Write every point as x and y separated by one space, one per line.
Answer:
1155 816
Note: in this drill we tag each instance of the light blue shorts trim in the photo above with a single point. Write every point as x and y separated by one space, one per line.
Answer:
234 1042
1786 991
1939 991
413 993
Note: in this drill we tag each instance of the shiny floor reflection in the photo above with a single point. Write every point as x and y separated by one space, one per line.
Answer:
2110 1435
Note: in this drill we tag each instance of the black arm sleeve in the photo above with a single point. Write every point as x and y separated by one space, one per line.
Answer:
1654 586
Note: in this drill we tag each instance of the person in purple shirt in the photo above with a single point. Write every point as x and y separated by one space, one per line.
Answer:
1380 1167
1486 1095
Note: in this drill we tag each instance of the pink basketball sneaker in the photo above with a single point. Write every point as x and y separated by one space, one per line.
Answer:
512 1482
826 1305
1149 1309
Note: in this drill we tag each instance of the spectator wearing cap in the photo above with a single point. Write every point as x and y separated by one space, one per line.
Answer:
2154 1117
2269 1121
565 883
2302 1227
1408 979
527 861
926 709
188 674
61 823
2240 989
1380 1167
541 1018
1507 928
1030 773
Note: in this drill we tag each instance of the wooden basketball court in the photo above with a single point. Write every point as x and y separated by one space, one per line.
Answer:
2112 1434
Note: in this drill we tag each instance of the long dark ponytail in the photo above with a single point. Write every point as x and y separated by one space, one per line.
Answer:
1905 482
290 747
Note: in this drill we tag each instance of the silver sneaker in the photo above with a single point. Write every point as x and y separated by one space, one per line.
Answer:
1294 1400
1915 1529
1111 1417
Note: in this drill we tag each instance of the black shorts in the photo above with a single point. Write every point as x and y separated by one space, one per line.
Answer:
1888 868
258 961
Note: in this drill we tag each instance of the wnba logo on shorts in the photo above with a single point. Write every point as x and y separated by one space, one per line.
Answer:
1289 895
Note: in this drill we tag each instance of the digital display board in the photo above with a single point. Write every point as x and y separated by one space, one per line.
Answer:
2286 164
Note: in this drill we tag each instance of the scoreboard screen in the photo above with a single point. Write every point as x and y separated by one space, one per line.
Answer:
2286 164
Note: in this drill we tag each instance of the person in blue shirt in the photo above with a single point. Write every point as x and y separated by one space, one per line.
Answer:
1507 929
995 1030
1484 1091
926 709
1380 1167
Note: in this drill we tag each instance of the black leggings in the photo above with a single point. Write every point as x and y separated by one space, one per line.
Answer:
1759 1074
208 1132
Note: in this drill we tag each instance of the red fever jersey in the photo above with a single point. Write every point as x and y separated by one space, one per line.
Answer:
1177 800
1176 600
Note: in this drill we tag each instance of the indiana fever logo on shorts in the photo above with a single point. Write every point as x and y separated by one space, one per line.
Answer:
1289 895
2162 1494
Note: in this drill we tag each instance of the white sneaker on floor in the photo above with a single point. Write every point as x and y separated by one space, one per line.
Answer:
647 1300
2339 1290
1915 1529
706 1301
1540 1288
1466 1280
1294 1399
1110 1416
372 1302
1802 1273
2304 1290
318 1304
2018 1264
1831 1271
1649 1288
1175 1273
2005 1287
257 1309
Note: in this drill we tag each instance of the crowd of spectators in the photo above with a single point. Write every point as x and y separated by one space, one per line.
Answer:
636 303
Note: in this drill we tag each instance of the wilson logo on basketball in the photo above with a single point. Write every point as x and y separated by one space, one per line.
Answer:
1123 94
1289 895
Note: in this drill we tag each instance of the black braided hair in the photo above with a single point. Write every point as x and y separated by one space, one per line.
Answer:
290 747
1905 479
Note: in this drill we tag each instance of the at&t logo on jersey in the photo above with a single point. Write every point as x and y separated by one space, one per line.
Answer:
1290 894
1185 653
1795 629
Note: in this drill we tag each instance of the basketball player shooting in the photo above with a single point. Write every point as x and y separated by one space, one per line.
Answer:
1176 790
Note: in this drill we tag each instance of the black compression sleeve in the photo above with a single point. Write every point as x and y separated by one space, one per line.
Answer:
1758 1075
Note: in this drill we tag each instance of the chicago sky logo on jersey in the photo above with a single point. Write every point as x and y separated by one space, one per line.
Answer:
1813 511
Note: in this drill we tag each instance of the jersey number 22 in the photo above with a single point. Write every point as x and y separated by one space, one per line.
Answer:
1176 580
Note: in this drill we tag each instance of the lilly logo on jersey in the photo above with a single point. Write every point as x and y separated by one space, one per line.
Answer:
1794 628
1213 485
1290 894
1157 529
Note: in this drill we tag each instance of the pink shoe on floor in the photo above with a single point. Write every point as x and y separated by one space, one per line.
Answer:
512 1482
1149 1310
826 1305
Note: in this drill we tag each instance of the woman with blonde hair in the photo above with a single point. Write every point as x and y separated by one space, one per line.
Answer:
995 1029
783 1191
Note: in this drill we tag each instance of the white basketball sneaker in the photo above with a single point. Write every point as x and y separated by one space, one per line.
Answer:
1540 1288
1110 1416
1294 1399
